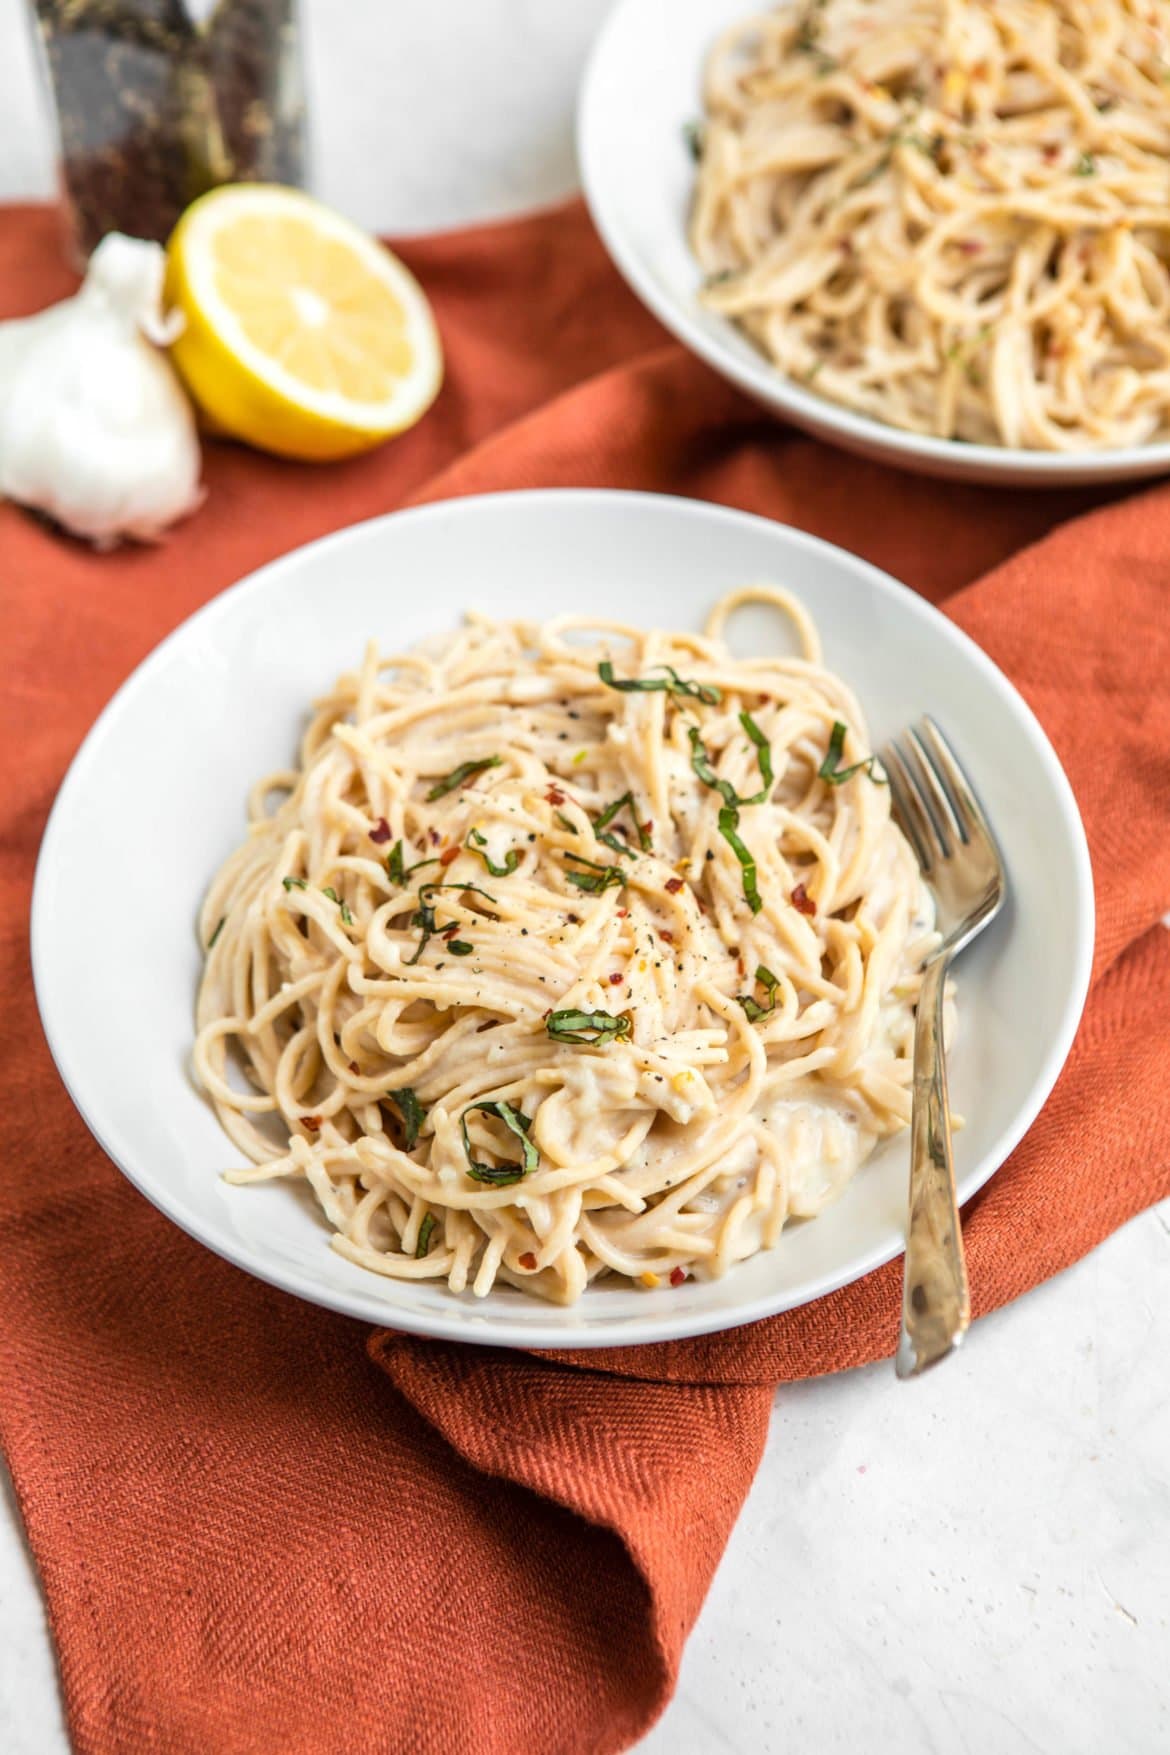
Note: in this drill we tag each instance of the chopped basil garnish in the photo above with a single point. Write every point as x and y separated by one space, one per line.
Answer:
729 815
728 828
346 916
1086 165
701 763
569 827
412 1112
626 801
459 947
425 1233
424 915
763 756
587 1027
834 775
694 136
295 883
460 776
595 878
752 1007
672 684
396 868
215 935
501 1175
476 842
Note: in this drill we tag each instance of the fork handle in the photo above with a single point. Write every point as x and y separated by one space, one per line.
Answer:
936 1304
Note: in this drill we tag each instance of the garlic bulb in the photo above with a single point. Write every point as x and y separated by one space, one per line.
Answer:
95 428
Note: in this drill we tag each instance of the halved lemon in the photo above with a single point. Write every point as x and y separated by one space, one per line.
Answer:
304 336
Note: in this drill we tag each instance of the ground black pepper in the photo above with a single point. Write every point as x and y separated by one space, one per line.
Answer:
155 106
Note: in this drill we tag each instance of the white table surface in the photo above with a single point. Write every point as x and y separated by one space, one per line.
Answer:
975 1564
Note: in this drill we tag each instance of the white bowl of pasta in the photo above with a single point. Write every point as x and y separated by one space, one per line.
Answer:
935 237
568 967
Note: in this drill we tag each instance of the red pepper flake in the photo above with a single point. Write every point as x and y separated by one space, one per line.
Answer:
554 795
677 1276
647 827
1051 152
674 885
666 937
969 246
616 978
380 833
435 837
449 855
741 965
802 901
312 1122
528 1260
623 914
354 1067
450 931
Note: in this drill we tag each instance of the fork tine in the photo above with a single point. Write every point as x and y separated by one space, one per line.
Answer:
967 806
934 792
910 808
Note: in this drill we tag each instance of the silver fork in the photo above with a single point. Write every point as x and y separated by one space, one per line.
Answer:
944 823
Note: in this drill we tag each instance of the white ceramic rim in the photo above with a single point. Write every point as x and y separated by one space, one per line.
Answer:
500 1332
767 384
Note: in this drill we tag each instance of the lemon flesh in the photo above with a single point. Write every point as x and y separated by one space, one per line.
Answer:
304 336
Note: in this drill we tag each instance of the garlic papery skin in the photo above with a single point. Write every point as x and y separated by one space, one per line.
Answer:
95 428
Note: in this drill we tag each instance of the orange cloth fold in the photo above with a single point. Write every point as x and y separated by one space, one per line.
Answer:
263 1531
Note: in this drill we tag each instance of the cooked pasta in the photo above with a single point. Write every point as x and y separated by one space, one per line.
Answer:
568 951
951 215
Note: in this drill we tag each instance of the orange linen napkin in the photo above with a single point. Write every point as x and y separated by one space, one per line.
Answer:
262 1531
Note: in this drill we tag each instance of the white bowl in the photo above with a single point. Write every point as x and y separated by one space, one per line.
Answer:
641 87
155 801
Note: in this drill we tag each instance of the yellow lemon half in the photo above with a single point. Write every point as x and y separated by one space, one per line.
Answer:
303 336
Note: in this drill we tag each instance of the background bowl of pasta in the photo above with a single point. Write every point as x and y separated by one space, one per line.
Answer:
161 785
937 236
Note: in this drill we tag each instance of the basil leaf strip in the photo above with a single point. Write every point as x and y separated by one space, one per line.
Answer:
832 774
587 1027
215 935
413 1114
501 1175
752 1007
346 916
701 763
424 914
728 828
475 843
596 878
396 868
425 1232
625 802
671 684
460 776
763 756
